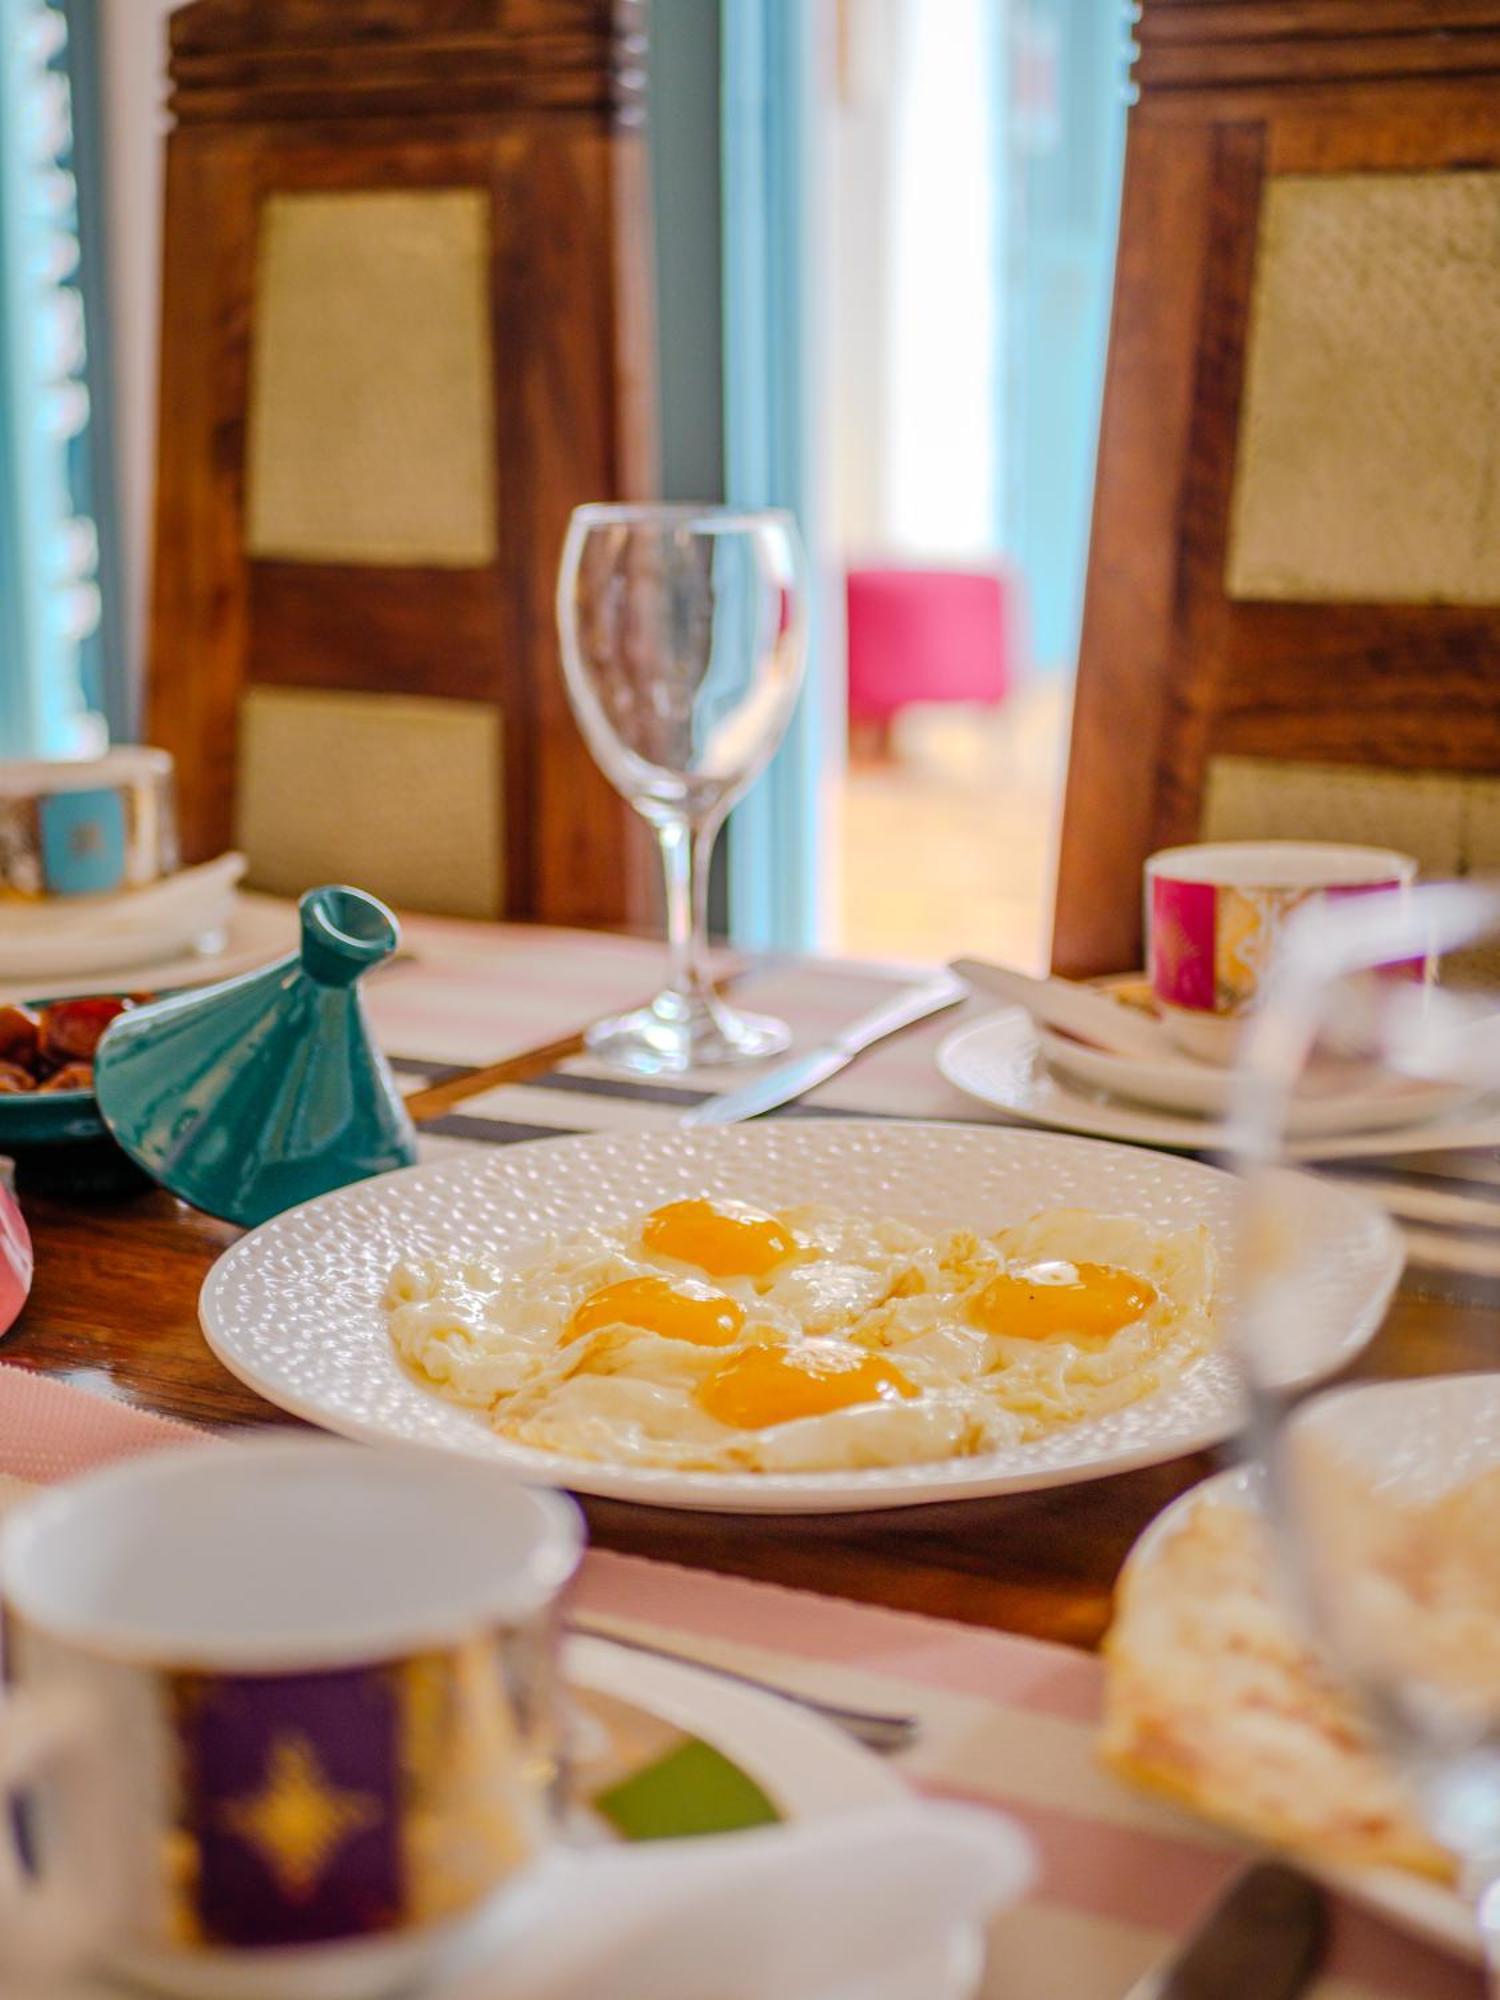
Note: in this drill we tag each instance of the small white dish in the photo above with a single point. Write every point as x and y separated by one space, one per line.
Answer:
295 1308
1427 1909
1198 1090
255 930
83 937
1000 1060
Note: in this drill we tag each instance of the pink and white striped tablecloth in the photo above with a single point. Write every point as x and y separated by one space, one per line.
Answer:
472 994
1005 1721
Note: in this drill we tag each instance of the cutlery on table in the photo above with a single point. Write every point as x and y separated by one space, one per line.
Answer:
793 1079
1077 1010
1262 1940
884 1733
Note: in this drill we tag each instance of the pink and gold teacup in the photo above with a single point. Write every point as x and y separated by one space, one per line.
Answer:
280 1717
1214 916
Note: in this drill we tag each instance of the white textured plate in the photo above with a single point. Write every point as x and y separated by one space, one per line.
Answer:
1425 1908
1200 1090
294 1309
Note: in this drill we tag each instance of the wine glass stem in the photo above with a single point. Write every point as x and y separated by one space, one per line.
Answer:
686 848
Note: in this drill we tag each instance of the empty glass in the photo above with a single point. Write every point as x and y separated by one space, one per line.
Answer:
682 634
1383 1483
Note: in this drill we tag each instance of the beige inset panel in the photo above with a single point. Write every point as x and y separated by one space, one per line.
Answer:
1482 836
395 794
1366 467
372 426
1419 813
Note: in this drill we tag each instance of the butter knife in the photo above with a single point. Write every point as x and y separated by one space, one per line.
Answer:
794 1079
1263 1940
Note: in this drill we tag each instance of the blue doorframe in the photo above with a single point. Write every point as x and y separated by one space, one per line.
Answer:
1062 146
49 595
105 672
768 50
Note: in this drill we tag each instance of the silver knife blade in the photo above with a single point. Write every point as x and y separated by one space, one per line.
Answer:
794 1079
1262 1940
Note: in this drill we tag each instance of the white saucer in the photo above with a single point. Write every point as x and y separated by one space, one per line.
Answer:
1000 1061
78 937
1202 1090
252 931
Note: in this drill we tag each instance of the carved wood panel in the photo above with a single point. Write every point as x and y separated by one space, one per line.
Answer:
532 110
1176 666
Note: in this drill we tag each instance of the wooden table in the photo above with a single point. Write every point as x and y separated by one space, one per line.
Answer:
115 1309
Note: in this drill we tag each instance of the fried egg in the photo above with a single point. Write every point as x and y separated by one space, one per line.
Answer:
716 1336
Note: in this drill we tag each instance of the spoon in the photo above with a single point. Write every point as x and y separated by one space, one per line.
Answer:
1077 1010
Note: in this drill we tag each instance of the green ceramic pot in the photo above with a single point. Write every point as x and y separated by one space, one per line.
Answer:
248 1097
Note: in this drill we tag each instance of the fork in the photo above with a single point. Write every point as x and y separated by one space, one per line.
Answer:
885 1733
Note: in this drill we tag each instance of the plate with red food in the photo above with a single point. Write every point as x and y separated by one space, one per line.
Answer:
47 1067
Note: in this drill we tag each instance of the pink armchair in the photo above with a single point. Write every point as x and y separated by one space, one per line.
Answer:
918 635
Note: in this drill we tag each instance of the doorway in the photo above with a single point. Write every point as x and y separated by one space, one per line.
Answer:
972 153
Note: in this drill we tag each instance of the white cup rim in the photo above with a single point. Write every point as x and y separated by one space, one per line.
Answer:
551 1535
1280 864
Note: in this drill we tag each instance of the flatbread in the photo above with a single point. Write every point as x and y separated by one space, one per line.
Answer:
1213 1700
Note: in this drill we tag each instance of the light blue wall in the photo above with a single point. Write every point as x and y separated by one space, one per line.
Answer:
730 117
768 112
686 182
107 683
48 550
1065 179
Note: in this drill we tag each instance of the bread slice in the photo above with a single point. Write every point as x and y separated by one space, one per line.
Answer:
1215 1702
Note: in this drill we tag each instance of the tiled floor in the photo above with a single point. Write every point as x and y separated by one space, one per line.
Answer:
949 848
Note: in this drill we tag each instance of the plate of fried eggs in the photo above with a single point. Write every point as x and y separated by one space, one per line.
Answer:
789 1316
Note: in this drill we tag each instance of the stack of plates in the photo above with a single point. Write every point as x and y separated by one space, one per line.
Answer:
189 927
1047 1078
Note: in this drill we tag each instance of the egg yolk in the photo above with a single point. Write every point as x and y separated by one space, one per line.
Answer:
772 1385
1088 1303
731 1241
682 1311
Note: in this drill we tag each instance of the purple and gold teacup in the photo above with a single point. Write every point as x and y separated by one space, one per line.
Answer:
1214 916
280 1717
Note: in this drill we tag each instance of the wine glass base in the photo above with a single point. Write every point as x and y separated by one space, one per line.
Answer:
669 1037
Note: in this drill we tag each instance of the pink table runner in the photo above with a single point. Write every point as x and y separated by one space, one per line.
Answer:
1005 1721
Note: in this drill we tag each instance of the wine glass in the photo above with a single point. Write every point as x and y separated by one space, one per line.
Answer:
1382 1484
682 634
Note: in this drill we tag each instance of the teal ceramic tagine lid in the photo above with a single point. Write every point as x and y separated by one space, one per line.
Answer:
248 1097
